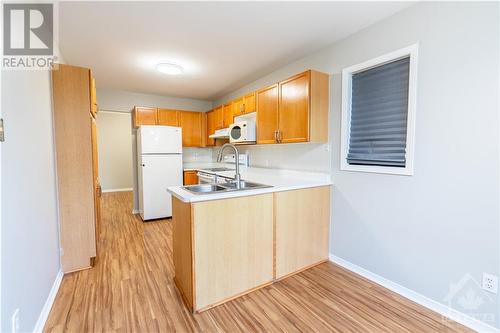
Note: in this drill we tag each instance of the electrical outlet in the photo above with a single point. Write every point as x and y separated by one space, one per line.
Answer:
15 321
490 283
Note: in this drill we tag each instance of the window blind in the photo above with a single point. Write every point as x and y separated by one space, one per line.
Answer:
379 112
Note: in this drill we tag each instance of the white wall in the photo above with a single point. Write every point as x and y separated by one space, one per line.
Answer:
29 238
190 155
117 100
115 153
312 157
426 231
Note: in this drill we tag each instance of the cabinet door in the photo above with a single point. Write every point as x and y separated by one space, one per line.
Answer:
93 95
211 126
219 117
167 117
97 202
267 114
238 107
190 177
95 175
294 109
233 247
191 123
74 159
302 220
249 103
144 116
228 115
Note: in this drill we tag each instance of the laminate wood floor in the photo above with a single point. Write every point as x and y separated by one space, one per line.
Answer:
131 289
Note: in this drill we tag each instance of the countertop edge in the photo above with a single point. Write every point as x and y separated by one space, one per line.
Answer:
193 198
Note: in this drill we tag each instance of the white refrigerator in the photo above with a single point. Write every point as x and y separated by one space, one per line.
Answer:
159 150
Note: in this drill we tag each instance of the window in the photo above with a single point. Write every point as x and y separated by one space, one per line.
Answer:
378 114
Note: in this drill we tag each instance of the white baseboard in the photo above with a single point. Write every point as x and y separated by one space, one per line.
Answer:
48 303
117 190
431 304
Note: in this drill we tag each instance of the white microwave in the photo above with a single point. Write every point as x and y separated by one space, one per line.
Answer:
242 132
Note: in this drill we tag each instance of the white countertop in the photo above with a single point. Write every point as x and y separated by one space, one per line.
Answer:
280 180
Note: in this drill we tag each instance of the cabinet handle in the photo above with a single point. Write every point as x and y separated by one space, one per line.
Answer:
279 136
276 135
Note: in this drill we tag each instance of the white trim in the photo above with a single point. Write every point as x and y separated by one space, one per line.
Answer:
135 211
411 51
117 190
420 299
42 318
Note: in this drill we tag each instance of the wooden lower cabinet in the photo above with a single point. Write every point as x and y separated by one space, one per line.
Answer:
231 249
183 250
302 229
190 177
226 248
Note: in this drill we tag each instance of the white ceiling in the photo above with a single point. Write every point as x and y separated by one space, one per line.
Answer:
221 45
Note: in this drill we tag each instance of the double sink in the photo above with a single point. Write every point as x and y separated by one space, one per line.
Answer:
223 187
228 185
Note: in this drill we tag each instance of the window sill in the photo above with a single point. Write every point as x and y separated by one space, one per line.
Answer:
406 171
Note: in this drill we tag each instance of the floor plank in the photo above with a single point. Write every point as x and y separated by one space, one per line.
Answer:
131 289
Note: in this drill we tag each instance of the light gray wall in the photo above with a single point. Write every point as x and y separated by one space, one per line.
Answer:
311 157
29 241
115 153
118 100
426 231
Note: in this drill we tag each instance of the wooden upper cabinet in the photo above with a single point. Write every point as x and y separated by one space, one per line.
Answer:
192 128
219 117
238 107
211 127
267 114
293 110
249 104
167 117
228 115
144 116
303 108
293 115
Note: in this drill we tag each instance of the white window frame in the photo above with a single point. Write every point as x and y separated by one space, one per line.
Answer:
347 74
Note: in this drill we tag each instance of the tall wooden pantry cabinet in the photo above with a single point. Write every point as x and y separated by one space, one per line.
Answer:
79 192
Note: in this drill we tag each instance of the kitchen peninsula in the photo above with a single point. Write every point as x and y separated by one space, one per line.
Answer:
230 243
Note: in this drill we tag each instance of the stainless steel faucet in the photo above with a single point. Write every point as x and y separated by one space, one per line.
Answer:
237 176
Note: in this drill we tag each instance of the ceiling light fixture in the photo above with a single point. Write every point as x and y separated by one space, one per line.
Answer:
169 68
